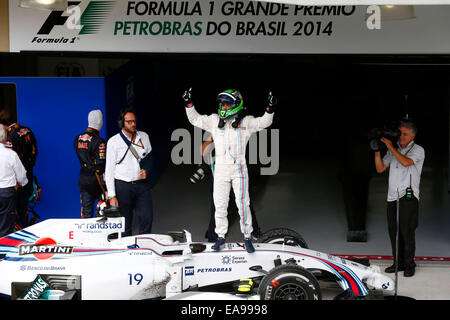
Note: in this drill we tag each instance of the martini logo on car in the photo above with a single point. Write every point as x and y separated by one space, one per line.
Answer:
44 249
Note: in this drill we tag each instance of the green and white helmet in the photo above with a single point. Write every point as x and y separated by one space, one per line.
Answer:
232 97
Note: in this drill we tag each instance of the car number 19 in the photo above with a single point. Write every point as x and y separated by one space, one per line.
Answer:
135 279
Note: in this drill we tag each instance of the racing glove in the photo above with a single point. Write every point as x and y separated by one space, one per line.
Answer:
187 97
271 103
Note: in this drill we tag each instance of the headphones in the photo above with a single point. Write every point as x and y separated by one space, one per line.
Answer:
122 113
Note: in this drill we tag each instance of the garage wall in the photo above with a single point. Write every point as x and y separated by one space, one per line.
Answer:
56 109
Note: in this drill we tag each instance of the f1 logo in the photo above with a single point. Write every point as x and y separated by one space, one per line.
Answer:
56 18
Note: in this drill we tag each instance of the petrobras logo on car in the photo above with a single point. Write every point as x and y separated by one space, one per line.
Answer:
190 271
37 288
212 270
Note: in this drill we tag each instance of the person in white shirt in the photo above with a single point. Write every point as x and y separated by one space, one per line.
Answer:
128 166
405 167
12 174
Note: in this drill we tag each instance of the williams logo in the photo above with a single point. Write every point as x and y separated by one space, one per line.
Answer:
44 249
89 21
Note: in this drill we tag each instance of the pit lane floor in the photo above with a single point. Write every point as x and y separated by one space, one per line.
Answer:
310 201
430 282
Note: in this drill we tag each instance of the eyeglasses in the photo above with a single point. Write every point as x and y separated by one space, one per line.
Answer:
130 121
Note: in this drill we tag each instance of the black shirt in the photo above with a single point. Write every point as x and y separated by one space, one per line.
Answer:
91 151
22 140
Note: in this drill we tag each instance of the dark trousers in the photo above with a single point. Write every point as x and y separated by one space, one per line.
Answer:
87 204
7 210
22 196
90 191
135 197
408 222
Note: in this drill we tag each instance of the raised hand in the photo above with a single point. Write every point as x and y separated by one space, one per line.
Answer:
271 103
187 96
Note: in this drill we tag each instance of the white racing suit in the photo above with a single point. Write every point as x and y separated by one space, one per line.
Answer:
230 165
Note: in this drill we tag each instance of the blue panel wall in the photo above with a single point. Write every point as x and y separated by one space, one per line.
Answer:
56 109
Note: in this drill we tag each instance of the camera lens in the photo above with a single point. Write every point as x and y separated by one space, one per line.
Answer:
197 176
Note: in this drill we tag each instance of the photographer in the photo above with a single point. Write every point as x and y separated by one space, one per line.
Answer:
405 166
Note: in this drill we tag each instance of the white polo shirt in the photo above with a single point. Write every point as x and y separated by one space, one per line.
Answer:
401 177
12 170
128 169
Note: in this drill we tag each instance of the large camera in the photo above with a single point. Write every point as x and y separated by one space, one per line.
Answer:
390 132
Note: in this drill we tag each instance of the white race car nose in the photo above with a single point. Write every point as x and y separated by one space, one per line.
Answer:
380 281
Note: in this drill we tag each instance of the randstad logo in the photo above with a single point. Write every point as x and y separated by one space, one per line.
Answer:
87 22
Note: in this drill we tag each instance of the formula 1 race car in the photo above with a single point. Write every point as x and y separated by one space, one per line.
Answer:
88 259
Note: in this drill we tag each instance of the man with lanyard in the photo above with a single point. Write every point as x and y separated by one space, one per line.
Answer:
22 140
128 165
91 152
12 173
405 166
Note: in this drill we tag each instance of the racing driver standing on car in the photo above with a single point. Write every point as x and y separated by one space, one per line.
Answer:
230 132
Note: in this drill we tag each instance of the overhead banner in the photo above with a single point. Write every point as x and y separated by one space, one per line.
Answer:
226 27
